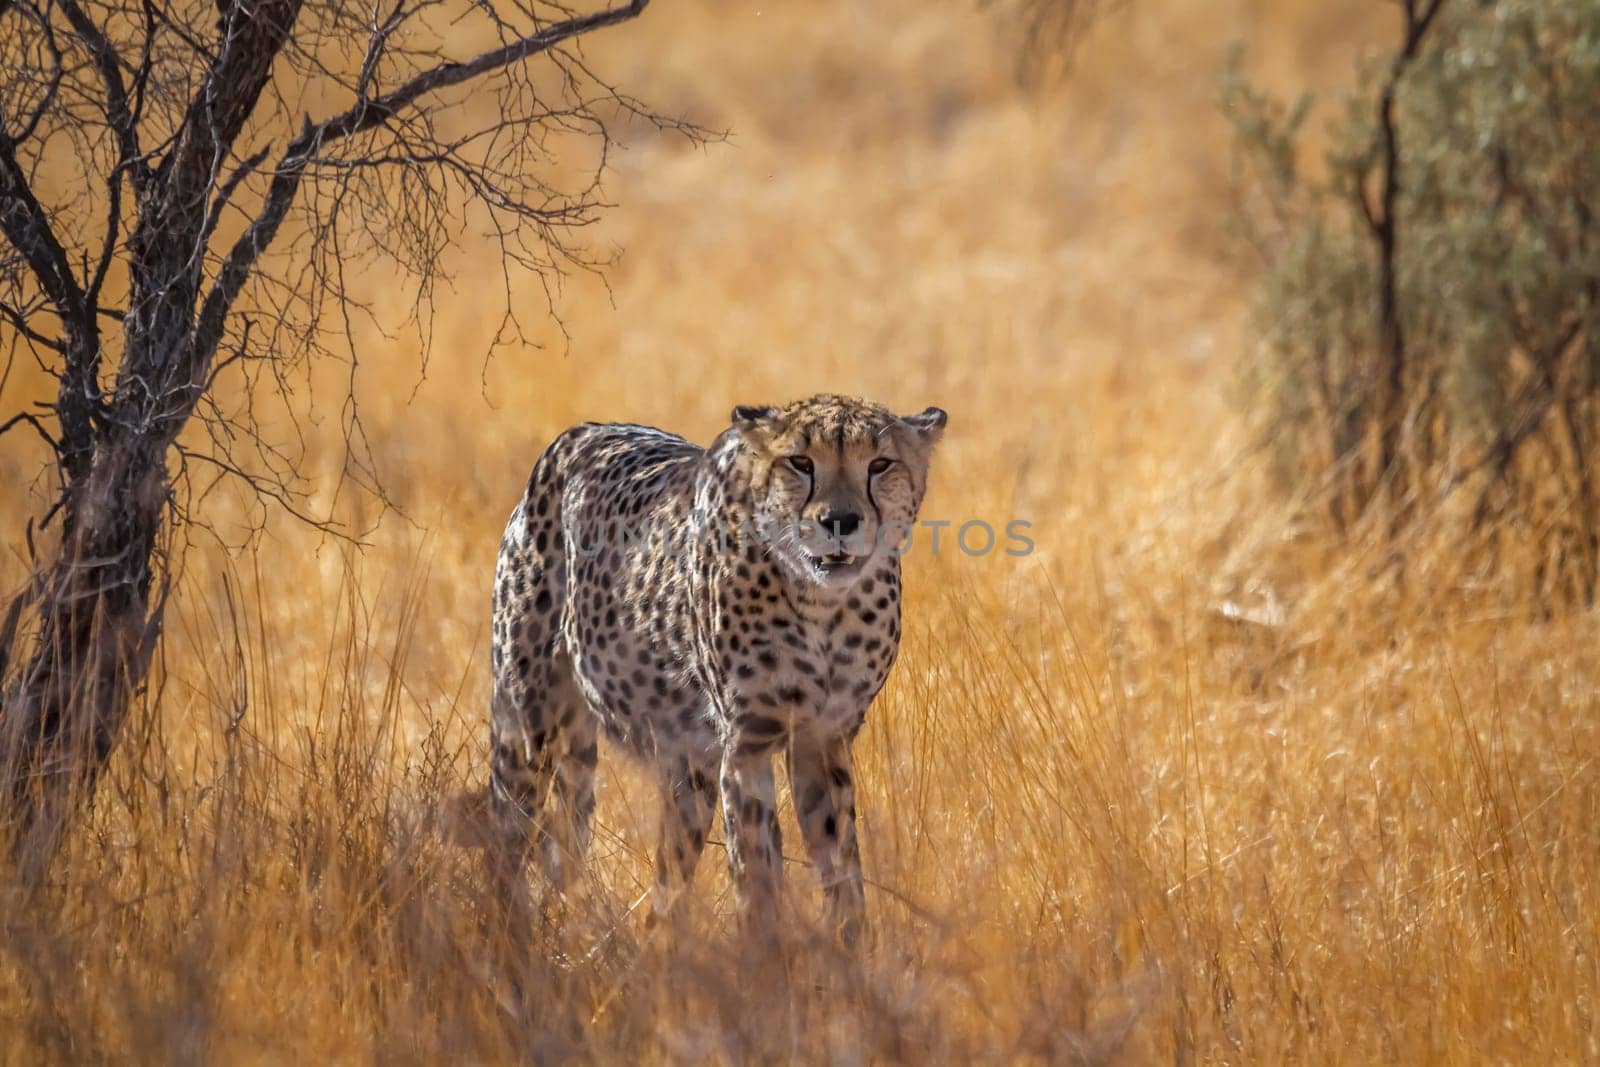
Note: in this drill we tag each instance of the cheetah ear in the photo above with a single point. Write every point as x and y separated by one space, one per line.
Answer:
755 423
929 424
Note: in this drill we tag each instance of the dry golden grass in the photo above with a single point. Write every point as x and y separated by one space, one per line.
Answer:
1102 823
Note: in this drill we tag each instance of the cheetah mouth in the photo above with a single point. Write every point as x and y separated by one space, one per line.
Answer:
835 562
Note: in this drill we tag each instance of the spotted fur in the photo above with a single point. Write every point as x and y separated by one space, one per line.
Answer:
706 609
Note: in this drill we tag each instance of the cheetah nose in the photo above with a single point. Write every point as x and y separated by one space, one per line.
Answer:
842 524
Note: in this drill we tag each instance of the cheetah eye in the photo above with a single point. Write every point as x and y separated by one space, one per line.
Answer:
879 465
801 464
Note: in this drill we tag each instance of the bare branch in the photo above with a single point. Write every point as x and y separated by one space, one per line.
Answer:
19 322
26 224
365 115
109 63
225 194
57 73
30 420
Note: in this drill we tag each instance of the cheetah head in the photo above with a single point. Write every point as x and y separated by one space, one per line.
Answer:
836 481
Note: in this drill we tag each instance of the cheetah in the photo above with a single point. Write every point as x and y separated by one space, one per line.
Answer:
705 608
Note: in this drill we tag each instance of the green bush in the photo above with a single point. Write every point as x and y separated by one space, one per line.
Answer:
1428 299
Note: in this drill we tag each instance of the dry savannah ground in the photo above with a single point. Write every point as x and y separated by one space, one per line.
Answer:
1175 787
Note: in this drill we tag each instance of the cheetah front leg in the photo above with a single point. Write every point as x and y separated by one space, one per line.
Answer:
688 801
750 820
820 776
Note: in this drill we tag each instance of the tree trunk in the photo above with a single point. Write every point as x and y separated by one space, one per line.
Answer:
1391 369
1384 223
91 650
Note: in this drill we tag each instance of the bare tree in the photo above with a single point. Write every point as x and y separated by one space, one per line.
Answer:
181 186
